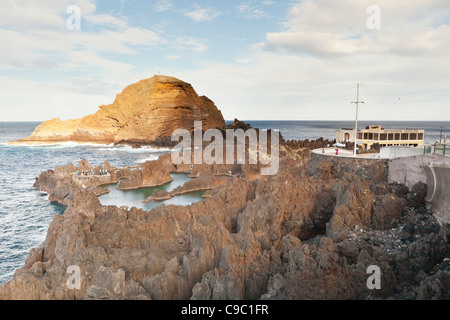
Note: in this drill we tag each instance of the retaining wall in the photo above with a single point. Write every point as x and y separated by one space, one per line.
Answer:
368 168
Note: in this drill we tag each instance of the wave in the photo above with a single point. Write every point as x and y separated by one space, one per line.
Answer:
56 145
100 147
150 158
129 149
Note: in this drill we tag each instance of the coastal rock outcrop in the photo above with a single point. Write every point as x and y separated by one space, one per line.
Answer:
150 174
204 182
144 112
62 183
158 195
294 235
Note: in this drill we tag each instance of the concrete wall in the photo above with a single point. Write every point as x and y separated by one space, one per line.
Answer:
434 170
400 152
409 170
438 177
368 168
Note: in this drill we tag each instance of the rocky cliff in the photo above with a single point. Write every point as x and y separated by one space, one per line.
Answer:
295 235
142 113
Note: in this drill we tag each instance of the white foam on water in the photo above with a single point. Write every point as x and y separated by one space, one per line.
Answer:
151 158
58 145
101 147
129 149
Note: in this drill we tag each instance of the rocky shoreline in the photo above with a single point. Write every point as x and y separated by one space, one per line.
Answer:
300 234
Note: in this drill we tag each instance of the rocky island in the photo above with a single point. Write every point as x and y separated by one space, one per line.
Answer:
144 113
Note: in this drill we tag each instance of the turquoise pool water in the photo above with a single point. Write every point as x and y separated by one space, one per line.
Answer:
135 198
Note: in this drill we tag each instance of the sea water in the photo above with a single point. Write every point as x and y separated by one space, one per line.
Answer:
25 213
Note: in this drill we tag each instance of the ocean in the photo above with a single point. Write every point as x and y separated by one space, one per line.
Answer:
25 213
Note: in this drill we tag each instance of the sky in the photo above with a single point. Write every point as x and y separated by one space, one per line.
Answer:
257 60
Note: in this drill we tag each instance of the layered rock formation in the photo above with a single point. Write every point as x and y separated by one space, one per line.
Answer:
62 183
144 112
294 235
151 174
202 183
158 195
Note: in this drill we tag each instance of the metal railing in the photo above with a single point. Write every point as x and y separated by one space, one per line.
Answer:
439 148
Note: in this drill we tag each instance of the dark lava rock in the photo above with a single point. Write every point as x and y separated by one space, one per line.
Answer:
400 190
409 228
416 198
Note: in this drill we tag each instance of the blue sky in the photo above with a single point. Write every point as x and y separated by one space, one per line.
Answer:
260 60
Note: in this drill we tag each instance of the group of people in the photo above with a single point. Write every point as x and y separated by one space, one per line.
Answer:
102 172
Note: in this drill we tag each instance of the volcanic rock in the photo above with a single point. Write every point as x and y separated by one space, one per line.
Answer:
204 182
107 284
416 198
259 238
158 195
143 112
153 174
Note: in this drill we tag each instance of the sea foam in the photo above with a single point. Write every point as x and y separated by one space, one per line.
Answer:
100 147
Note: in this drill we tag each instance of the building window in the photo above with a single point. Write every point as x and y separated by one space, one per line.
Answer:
370 136
391 136
383 136
413 136
397 136
420 136
375 136
360 135
366 135
347 136
404 136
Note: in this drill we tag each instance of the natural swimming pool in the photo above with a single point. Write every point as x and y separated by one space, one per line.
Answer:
135 198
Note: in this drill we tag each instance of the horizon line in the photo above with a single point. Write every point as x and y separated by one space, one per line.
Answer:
269 120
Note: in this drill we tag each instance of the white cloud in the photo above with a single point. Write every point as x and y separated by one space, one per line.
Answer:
163 5
326 27
202 14
276 86
253 9
243 60
37 39
173 57
42 40
189 43
306 70
324 50
107 20
39 101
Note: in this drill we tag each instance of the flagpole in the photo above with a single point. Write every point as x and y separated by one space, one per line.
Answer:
357 102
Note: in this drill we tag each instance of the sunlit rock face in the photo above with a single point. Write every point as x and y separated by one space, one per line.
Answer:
144 111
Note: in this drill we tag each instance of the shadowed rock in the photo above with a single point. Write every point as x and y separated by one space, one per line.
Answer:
204 182
152 174
159 195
